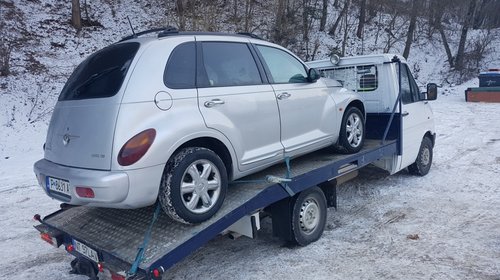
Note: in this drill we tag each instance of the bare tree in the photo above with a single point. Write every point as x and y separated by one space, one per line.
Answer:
459 62
4 58
343 12
346 26
362 18
248 14
324 15
179 6
411 28
76 16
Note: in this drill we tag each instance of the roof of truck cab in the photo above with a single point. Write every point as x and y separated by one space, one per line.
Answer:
356 60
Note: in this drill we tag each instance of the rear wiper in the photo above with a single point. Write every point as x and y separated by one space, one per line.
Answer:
95 77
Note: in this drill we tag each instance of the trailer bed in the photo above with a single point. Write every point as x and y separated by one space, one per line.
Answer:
116 234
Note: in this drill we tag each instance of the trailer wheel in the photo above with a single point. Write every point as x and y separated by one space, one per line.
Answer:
352 132
309 216
193 185
423 163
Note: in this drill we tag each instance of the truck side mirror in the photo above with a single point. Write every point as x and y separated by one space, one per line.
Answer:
313 75
431 91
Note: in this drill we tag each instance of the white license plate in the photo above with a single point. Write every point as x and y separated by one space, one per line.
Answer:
58 186
86 251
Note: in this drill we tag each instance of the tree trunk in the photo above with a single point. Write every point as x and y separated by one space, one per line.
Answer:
324 15
362 16
280 21
248 14
346 27
181 14
459 63
76 16
411 28
446 46
335 25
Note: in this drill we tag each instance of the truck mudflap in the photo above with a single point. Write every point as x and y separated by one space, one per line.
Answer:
109 238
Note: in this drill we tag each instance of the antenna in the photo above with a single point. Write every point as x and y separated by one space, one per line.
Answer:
131 27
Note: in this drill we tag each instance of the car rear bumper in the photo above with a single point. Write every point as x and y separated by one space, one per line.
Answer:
114 189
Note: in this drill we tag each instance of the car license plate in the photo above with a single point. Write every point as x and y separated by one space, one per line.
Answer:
58 186
86 251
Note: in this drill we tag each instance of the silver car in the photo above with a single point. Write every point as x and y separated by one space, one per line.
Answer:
177 116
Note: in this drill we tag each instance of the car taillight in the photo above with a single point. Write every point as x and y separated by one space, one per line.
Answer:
136 147
85 192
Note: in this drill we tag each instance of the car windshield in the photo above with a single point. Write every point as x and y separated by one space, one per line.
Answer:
101 74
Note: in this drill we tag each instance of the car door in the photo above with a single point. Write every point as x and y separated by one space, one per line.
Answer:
234 100
307 112
417 117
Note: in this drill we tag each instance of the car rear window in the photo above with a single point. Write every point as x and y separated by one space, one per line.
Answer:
101 74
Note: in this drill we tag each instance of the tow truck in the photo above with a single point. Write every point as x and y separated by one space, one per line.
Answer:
144 243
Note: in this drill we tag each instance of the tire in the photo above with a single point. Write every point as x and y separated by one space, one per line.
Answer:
309 216
423 163
352 132
193 185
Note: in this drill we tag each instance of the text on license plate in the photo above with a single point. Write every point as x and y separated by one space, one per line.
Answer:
86 251
58 185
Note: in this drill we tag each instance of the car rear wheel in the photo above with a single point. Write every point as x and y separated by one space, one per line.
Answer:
352 132
193 185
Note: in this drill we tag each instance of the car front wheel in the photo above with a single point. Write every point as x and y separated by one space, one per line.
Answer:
423 163
193 185
352 131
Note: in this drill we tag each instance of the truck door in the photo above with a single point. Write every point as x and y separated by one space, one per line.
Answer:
417 117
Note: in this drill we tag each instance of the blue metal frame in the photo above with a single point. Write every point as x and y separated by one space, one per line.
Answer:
271 195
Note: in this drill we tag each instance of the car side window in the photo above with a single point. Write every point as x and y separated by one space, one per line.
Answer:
229 64
180 72
284 67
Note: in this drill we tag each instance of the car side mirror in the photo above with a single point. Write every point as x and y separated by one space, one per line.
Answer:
432 91
313 75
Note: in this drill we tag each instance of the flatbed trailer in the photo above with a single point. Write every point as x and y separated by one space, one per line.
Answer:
114 235
145 243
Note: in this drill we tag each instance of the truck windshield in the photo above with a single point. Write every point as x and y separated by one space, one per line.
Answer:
101 74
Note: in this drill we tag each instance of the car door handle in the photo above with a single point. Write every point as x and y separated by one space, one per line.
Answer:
404 114
283 95
213 102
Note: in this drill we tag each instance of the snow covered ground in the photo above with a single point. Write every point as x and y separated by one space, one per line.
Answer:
454 210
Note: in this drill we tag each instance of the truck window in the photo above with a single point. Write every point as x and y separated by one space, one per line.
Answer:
362 78
409 90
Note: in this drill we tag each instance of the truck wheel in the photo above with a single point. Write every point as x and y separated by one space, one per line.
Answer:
193 185
423 163
352 132
309 216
